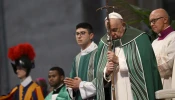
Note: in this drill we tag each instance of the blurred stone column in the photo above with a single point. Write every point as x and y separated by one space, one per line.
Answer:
3 53
49 25
168 5
95 18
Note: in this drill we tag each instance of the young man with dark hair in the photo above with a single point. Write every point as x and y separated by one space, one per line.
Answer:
83 71
56 77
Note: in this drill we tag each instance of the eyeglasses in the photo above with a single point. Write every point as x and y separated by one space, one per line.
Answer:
81 33
153 21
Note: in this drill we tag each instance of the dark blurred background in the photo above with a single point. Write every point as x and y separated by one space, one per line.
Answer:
49 25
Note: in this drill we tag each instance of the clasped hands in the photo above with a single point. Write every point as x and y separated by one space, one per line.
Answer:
72 83
112 62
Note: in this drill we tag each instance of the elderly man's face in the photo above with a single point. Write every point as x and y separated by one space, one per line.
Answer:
117 28
157 21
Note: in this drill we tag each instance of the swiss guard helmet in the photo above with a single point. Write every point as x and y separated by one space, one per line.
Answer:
22 55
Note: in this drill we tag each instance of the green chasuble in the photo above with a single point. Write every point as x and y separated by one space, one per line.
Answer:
62 95
140 59
83 67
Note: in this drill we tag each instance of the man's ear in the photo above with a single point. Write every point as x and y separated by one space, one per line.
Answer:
91 35
166 20
124 24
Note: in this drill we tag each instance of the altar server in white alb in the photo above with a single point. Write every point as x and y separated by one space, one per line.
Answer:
164 46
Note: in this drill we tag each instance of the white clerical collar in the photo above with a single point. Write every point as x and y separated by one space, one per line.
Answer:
54 96
26 81
58 87
89 49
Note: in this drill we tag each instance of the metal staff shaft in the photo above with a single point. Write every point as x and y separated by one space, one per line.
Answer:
109 40
110 49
